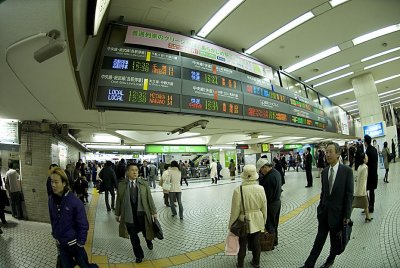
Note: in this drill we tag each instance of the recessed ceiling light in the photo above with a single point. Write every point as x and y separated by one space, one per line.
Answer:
375 34
326 73
380 54
333 79
291 25
221 14
312 59
380 63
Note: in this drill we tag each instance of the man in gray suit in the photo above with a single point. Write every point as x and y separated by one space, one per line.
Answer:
334 209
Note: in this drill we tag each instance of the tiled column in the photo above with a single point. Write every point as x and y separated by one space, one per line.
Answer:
367 99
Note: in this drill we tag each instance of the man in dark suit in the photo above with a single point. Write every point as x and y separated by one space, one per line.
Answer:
334 209
308 167
372 179
144 171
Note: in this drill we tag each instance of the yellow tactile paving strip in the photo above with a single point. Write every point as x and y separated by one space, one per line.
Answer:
187 257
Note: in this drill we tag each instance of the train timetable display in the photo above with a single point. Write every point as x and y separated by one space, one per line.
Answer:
262 114
211 79
141 66
136 98
199 105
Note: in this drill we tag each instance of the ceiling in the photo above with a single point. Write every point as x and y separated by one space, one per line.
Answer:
49 90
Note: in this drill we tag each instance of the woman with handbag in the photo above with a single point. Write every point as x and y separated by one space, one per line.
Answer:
249 205
360 188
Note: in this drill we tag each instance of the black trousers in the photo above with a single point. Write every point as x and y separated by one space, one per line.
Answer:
16 205
112 193
254 240
371 199
309 176
323 230
134 229
273 211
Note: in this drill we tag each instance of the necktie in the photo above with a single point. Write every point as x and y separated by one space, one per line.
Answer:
133 191
330 180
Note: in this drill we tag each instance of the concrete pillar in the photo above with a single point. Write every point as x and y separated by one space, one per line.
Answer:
367 99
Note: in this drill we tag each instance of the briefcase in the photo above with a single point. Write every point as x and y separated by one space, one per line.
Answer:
267 241
342 238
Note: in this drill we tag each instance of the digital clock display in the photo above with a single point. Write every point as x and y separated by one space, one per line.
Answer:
212 79
211 105
141 66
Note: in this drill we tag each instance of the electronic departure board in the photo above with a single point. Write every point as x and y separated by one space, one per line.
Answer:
141 78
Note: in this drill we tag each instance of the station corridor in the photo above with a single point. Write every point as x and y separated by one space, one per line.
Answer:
198 239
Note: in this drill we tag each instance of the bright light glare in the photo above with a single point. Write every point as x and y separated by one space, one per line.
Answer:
387 78
221 14
291 25
375 34
313 59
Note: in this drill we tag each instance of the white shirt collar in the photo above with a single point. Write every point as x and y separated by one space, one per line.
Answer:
335 167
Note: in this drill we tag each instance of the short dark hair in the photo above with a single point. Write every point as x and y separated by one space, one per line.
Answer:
308 149
131 164
53 165
337 147
367 139
10 165
174 164
385 144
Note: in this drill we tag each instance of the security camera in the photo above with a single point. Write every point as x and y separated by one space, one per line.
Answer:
203 124
50 50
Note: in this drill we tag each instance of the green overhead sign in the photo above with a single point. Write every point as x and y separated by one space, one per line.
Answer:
292 146
165 149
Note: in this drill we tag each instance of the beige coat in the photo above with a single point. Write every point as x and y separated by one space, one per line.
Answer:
175 179
147 203
255 203
385 154
164 177
360 187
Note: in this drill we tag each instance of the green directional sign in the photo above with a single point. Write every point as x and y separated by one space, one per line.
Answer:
165 149
292 146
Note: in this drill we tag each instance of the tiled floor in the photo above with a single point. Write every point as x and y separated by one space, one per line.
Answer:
197 240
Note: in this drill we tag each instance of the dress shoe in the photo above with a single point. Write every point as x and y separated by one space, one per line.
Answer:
308 186
368 220
327 264
371 210
254 265
1 231
139 260
150 245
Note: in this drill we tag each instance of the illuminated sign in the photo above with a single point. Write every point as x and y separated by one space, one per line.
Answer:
292 146
196 105
9 131
242 146
141 66
375 130
136 98
265 148
160 148
210 78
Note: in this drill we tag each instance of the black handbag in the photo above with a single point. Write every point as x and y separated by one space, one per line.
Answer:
157 229
239 228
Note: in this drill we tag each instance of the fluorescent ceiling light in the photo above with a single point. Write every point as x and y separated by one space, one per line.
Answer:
348 106
291 25
336 2
380 63
387 78
105 138
114 147
387 95
326 73
221 14
390 100
313 59
333 79
375 34
380 54
341 93
388 92
347 103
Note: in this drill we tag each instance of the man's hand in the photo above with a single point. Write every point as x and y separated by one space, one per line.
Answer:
154 217
117 218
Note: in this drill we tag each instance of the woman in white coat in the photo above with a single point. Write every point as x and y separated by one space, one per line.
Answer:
360 188
255 205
